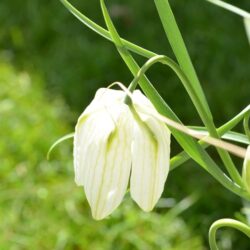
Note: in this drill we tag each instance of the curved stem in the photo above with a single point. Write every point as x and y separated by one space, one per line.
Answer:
187 142
105 33
150 62
225 223
164 60
192 93
229 135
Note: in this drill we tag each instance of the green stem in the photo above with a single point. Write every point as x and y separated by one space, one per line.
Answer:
246 125
194 89
226 223
188 143
150 62
182 157
105 33
164 60
177 43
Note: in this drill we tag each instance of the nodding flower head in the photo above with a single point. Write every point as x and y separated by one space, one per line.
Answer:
115 143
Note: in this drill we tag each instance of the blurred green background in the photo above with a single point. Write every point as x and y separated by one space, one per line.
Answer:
51 66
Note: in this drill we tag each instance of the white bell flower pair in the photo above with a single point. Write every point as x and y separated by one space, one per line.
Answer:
114 146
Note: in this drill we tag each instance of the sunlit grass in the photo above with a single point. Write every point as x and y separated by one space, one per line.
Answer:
41 207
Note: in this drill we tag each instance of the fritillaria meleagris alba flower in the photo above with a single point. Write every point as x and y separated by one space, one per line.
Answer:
113 144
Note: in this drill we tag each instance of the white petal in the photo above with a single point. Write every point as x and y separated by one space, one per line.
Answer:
141 100
104 100
104 97
107 96
150 161
83 132
104 158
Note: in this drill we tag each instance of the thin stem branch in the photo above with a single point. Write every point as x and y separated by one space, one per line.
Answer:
226 223
105 33
182 157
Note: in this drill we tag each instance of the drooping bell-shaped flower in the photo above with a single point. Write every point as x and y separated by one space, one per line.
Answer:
114 143
246 170
150 155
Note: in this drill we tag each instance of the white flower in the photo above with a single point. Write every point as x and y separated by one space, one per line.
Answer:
113 144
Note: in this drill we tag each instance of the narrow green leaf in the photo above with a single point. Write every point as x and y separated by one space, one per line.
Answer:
226 223
177 43
103 32
246 170
246 125
195 90
182 157
57 142
230 135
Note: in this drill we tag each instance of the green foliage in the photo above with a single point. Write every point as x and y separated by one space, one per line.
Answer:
41 207
45 37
